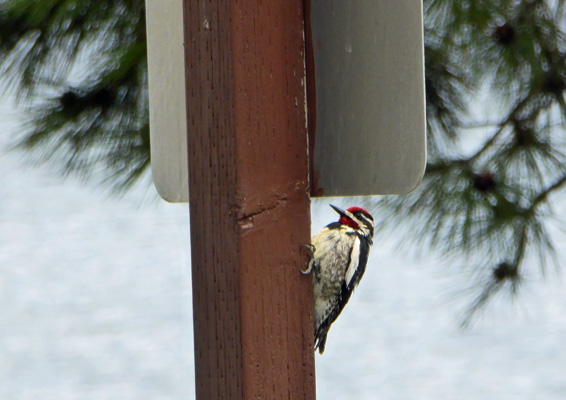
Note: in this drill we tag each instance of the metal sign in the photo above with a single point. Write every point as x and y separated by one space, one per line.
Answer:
167 111
370 99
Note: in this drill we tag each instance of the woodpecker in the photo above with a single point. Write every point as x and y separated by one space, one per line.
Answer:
339 257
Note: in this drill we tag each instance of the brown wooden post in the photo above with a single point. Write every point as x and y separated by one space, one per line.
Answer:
249 199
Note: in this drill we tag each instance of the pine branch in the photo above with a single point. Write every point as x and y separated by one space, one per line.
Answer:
543 196
511 118
99 123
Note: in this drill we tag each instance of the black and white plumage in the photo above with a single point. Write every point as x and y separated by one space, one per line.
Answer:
340 253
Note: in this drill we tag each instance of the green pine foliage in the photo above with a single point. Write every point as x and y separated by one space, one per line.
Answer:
488 203
490 206
81 122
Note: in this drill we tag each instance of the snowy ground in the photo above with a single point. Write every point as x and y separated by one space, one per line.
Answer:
95 304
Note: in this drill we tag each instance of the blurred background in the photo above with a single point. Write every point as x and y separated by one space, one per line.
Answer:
463 295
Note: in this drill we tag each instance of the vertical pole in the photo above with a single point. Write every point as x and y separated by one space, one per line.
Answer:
249 199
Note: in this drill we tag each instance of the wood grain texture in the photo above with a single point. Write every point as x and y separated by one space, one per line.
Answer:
249 199
310 88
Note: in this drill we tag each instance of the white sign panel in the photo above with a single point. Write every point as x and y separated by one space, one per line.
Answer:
370 99
370 110
167 111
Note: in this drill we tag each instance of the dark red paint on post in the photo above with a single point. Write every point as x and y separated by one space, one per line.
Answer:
249 199
311 99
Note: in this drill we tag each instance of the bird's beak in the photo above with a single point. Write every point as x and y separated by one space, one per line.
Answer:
339 210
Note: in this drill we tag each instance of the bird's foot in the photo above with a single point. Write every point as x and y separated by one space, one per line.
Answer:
311 249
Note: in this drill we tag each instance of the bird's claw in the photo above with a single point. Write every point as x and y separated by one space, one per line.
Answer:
311 249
